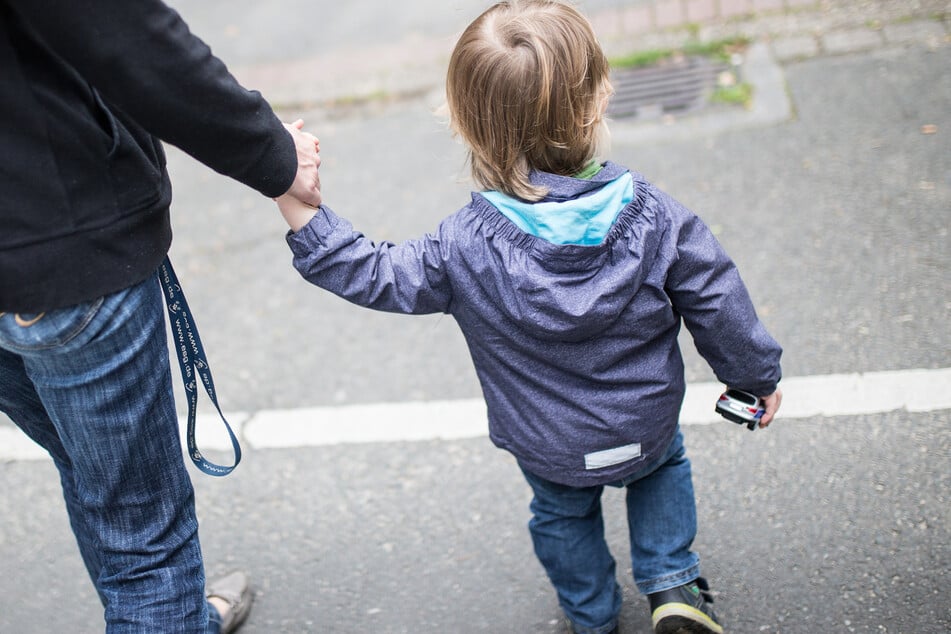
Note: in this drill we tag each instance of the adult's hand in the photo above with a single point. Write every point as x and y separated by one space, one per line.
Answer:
306 185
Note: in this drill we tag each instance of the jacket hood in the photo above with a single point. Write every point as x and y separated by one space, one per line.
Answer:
570 291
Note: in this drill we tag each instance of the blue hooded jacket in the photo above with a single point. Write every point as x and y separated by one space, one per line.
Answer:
572 323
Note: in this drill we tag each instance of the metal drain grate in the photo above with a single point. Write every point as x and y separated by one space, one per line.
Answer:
677 86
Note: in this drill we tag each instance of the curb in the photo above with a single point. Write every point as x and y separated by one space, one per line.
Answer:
792 29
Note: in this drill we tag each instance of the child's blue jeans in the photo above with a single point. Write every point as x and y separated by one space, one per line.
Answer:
568 532
91 383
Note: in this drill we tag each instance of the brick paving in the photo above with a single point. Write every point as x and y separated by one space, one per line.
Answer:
794 29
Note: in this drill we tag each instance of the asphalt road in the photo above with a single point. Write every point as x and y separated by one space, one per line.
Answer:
829 525
839 222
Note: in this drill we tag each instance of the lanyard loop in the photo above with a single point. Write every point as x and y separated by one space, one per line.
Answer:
194 365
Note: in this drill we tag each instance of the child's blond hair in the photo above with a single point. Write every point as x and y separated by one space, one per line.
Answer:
526 89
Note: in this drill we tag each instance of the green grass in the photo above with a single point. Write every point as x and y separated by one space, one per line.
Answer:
740 94
641 59
718 49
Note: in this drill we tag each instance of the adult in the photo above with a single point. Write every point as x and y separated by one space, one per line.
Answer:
89 89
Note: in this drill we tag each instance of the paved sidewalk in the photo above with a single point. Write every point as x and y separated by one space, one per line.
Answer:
793 29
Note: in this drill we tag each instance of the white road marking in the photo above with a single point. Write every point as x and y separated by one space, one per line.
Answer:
803 397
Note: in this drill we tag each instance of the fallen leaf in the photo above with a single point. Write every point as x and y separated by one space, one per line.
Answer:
929 128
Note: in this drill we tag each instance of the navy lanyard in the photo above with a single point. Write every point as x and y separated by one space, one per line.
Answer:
194 365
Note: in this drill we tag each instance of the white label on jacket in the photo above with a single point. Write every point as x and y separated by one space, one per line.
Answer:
609 457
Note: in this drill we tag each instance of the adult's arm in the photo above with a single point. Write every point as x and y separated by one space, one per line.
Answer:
142 58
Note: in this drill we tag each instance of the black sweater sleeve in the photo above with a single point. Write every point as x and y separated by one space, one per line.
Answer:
142 58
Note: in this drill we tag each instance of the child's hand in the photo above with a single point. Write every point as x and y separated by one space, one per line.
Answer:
772 403
296 213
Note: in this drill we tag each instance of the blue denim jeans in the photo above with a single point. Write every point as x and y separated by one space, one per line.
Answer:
568 533
91 384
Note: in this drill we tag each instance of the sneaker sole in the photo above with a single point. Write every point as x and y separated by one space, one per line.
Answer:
680 618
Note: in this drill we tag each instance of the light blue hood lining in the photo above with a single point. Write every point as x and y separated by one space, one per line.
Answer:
583 221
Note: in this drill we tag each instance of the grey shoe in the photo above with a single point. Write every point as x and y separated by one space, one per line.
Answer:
685 609
235 590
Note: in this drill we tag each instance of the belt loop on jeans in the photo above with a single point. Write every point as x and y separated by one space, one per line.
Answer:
25 323
194 366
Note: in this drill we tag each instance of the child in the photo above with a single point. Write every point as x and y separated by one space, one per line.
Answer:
569 279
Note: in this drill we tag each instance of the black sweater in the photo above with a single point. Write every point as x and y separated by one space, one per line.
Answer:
87 89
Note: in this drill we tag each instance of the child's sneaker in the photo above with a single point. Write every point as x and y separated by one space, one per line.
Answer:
684 610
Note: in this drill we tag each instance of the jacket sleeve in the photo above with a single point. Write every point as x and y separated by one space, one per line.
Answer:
705 288
409 277
142 58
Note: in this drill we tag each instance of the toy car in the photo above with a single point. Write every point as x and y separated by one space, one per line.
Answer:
740 407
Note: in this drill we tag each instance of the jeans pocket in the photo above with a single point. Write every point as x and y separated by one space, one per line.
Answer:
28 332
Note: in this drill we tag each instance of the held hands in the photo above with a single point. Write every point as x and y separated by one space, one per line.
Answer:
306 185
771 403
299 204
